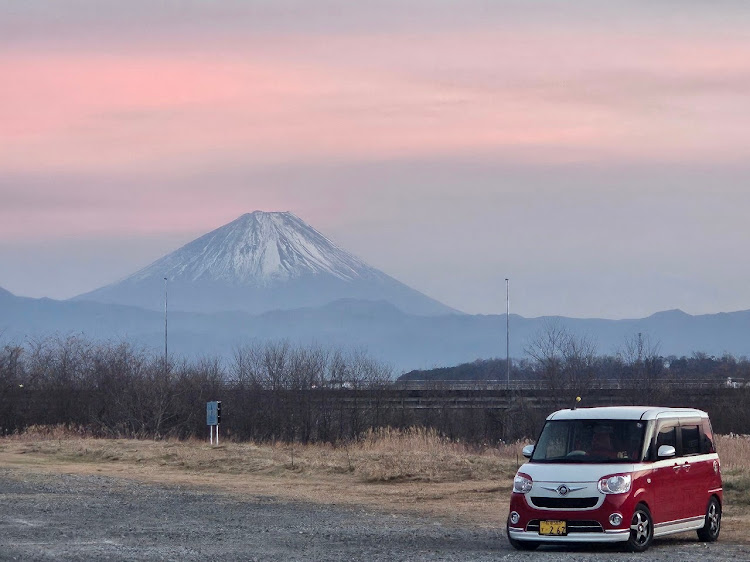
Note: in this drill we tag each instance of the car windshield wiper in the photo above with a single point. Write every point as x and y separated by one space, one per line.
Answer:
569 460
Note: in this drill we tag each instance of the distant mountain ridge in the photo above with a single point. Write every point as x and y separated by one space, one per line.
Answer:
403 340
260 262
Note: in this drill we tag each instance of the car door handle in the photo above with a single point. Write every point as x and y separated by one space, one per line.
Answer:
676 467
686 466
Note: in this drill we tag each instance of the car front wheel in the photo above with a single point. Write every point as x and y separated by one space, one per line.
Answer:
641 529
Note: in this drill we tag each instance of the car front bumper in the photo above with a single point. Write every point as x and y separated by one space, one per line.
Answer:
605 537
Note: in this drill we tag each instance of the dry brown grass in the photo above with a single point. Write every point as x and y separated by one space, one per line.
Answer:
734 452
415 471
415 455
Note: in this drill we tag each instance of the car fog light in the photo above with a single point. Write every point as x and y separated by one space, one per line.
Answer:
615 519
514 517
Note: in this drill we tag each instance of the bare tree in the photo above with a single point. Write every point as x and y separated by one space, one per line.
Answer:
566 363
11 387
642 365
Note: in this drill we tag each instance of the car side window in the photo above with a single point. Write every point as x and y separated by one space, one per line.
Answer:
667 435
691 440
707 438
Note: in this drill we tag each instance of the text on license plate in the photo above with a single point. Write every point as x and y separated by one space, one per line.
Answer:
556 528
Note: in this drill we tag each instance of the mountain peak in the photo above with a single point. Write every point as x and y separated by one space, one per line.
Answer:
265 216
258 262
672 313
258 213
258 249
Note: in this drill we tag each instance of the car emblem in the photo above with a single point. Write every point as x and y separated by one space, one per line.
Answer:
563 489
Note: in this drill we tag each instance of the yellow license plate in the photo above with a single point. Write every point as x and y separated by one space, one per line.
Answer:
555 528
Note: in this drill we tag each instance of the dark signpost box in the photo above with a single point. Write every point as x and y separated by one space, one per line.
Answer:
213 419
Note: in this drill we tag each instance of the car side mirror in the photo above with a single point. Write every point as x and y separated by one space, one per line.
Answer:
527 451
666 451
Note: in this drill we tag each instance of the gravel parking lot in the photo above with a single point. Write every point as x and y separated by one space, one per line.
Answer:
72 517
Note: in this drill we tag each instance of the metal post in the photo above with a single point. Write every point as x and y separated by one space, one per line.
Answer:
507 327
166 355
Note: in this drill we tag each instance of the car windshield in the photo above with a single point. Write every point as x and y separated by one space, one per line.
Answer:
590 441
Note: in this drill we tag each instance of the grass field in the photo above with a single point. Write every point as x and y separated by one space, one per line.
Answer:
415 471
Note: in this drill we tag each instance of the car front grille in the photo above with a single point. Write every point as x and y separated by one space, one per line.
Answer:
572 526
564 503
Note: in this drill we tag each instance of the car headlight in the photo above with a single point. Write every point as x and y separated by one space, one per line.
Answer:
522 483
615 484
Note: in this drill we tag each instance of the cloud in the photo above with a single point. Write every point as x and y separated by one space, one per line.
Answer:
293 92
581 124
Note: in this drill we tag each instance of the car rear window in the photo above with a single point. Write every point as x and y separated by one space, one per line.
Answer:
707 445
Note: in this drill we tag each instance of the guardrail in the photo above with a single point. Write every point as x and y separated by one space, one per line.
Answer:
602 384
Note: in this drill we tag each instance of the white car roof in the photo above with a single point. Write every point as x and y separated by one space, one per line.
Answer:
625 413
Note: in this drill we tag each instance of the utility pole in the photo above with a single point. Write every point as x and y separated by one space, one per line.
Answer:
166 355
507 327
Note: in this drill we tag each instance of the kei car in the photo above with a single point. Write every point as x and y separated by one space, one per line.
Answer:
617 474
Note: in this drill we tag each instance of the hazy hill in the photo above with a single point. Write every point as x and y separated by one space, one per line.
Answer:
406 341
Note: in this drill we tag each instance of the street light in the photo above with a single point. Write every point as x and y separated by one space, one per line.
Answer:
165 325
507 327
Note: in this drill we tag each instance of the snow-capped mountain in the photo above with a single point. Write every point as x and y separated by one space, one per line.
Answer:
259 262
258 249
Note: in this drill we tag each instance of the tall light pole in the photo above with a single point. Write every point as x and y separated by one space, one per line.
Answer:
165 326
507 327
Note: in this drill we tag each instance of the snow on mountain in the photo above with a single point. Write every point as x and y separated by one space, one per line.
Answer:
259 262
258 249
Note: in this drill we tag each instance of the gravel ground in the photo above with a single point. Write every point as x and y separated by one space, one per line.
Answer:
65 517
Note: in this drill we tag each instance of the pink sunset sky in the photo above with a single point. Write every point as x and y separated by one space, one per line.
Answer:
596 156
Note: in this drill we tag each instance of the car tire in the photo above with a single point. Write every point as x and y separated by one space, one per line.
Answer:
521 545
641 529
711 529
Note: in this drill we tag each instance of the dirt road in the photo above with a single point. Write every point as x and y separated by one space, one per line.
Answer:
47 516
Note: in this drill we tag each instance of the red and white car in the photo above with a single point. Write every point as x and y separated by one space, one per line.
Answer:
626 473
